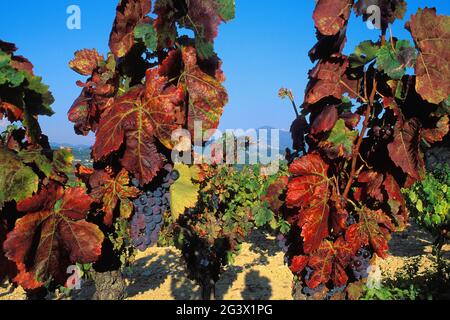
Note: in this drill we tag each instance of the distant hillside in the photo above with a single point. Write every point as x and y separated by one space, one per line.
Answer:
81 153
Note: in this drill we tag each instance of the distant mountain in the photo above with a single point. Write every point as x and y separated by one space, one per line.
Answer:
285 138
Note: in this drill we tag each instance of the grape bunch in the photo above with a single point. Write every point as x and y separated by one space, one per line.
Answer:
360 263
149 209
383 133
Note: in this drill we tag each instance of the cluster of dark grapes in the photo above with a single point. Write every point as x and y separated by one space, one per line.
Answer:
383 133
149 209
360 263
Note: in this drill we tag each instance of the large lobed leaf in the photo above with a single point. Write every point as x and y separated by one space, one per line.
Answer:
184 192
135 119
17 181
52 235
309 191
432 36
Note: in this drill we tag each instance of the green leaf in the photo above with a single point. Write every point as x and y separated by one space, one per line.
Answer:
342 138
364 53
227 9
17 181
147 33
263 216
394 62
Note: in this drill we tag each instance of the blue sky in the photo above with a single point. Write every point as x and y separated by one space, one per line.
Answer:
263 49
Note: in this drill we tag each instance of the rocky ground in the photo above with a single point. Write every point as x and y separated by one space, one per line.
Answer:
259 272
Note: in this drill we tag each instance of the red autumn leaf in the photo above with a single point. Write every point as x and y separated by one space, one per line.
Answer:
275 190
329 79
12 112
207 96
52 235
330 16
372 181
372 229
298 264
130 13
329 263
309 191
112 191
135 119
438 133
86 61
431 35
405 149
351 119
325 121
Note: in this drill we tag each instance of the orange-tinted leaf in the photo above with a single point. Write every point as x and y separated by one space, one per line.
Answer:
130 13
86 61
52 235
432 35
110 191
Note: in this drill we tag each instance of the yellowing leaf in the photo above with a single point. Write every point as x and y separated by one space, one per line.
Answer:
184 193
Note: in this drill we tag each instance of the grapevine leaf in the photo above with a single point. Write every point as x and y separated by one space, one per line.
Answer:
298 264
17 181
372 229
136 118
86 61
431 34
364 53
329 263
207 96
309 191
262 216
147 33
227 9
405 149
184 193
274 191
373 181
52 235
395 61
330 16
396 201
110 191
437 134
329 79
325 121
341 140
355 290
130 13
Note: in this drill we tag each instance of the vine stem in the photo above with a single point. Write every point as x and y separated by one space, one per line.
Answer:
357 147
